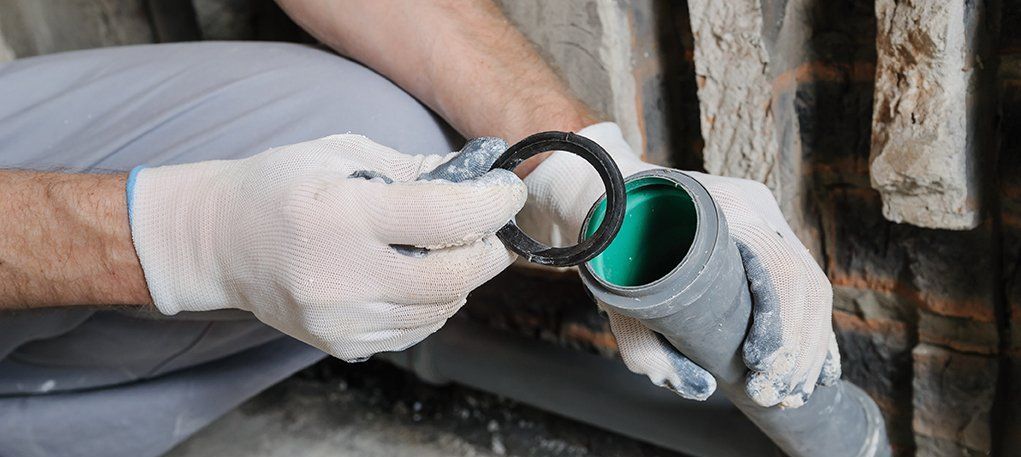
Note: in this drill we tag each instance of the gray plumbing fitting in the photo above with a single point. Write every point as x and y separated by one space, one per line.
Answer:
702 306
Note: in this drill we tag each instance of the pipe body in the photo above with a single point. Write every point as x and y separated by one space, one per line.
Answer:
585 387
703 308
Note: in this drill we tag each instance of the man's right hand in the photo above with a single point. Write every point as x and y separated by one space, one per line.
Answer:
340 242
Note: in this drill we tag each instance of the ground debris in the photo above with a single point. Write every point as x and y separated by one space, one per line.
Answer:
375 409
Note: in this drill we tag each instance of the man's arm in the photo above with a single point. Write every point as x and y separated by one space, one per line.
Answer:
65 240
462 58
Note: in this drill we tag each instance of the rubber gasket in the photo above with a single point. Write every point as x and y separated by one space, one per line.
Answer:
536 252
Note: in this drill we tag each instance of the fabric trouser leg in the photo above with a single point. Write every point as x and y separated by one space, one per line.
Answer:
82 382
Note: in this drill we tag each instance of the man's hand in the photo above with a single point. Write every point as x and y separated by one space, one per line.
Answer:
790 346
342 243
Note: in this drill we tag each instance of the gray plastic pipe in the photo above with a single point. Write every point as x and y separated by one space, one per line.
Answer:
703 307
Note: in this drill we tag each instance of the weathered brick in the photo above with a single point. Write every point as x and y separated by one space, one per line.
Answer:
734 89
965 335
863 249
923 157
246 20
1009 170
873 304
953 396
589 42
32 27
6 53
549 306
876 355
935 447
664 72
225 19
945 272
951 271
1010 431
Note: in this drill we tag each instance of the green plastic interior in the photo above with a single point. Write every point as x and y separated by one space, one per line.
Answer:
659 227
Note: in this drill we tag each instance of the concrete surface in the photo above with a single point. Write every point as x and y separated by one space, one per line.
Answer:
374 409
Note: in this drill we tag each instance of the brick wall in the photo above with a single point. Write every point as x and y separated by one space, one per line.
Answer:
1005 181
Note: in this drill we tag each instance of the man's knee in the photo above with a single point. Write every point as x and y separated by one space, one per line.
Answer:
288 93
115 108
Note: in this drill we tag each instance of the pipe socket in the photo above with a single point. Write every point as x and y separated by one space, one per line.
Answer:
674 267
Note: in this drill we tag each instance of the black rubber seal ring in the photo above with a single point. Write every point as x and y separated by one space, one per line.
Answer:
536 252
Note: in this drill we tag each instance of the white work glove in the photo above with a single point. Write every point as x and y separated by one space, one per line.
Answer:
790 346
340 242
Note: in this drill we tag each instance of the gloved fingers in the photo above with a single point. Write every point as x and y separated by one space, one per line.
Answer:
798 396
409 324
414 335
831 371
402 316
788 338
363 346
359 156
472 161
769 388
561 190
360 330
449 274
766 337
436 214
647 353
563 187
789 388
431 161
804 382
789 381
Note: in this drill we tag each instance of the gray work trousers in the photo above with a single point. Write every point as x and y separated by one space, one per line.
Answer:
90 382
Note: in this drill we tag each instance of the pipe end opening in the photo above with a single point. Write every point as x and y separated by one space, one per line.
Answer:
658 231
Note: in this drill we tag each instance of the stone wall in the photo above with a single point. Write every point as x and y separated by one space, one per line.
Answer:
889 131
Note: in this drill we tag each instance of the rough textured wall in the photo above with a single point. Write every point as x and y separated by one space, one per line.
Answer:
922 150
918 311
589 43
625 59
1008 190
6 53
33 27
734 93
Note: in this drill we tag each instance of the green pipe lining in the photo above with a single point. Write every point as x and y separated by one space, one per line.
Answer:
659 227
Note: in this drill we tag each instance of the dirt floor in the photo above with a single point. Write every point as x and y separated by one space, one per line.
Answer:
374 409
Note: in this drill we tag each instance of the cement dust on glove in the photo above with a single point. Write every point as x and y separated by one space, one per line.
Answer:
335 241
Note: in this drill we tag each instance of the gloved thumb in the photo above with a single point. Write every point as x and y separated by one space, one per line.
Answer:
440 213
645 352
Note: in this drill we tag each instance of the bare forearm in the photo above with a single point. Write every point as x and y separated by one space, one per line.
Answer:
65 240
460 57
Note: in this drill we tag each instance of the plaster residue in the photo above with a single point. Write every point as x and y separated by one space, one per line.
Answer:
475 159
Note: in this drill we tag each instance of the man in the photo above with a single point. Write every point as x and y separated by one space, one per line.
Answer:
141 306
